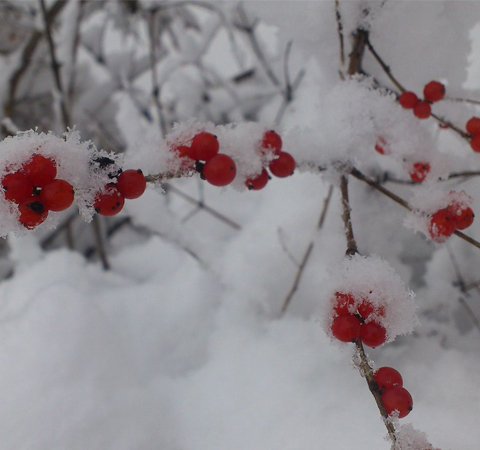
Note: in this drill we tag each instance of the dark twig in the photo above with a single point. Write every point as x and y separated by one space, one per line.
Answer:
307 253
152 28
100 242
462 100
249 29
347 219
202 205
338 16
55 65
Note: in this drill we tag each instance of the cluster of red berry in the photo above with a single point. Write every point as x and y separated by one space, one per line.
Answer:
357 318
443 223
283 166
433 91
473 129
418 171
130 184
36 190
394 396
220 169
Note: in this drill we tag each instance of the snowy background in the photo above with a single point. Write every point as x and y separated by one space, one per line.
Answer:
181 345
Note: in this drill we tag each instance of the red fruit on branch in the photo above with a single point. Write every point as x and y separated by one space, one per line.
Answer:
473 125
387 376
381 145
422 110
346 328
57 195
40 170
110 202
419 171
463 215
258 182
131 183
397 398
442 225
373 334
272 140
475 143
32 212
220 170
283 166
434 91
204 146
17 187
408 100
343 302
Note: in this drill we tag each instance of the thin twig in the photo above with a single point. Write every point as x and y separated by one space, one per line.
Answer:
249 29
307 254
100 242
152 21
55 65
338 16
347 219
203 206
462 100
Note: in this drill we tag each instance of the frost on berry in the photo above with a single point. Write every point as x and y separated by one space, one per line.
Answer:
360 281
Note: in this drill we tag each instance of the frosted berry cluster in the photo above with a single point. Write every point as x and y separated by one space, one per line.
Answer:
457 215
35 189
203 155
357 318
433 91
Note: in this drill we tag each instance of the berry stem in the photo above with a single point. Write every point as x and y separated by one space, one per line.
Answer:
367 371
346 216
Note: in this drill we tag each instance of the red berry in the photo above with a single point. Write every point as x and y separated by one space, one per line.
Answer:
443 126
373 334
475 143
131 183
422 110
272 140
408 100
184 150
346 328
343 302
442 225
397 398
57 195
387 376
110 202
32 212
380 146
419 171
17 187
204 146
283 166
259 182
40 170
465 219
220 170
473 125
434 91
